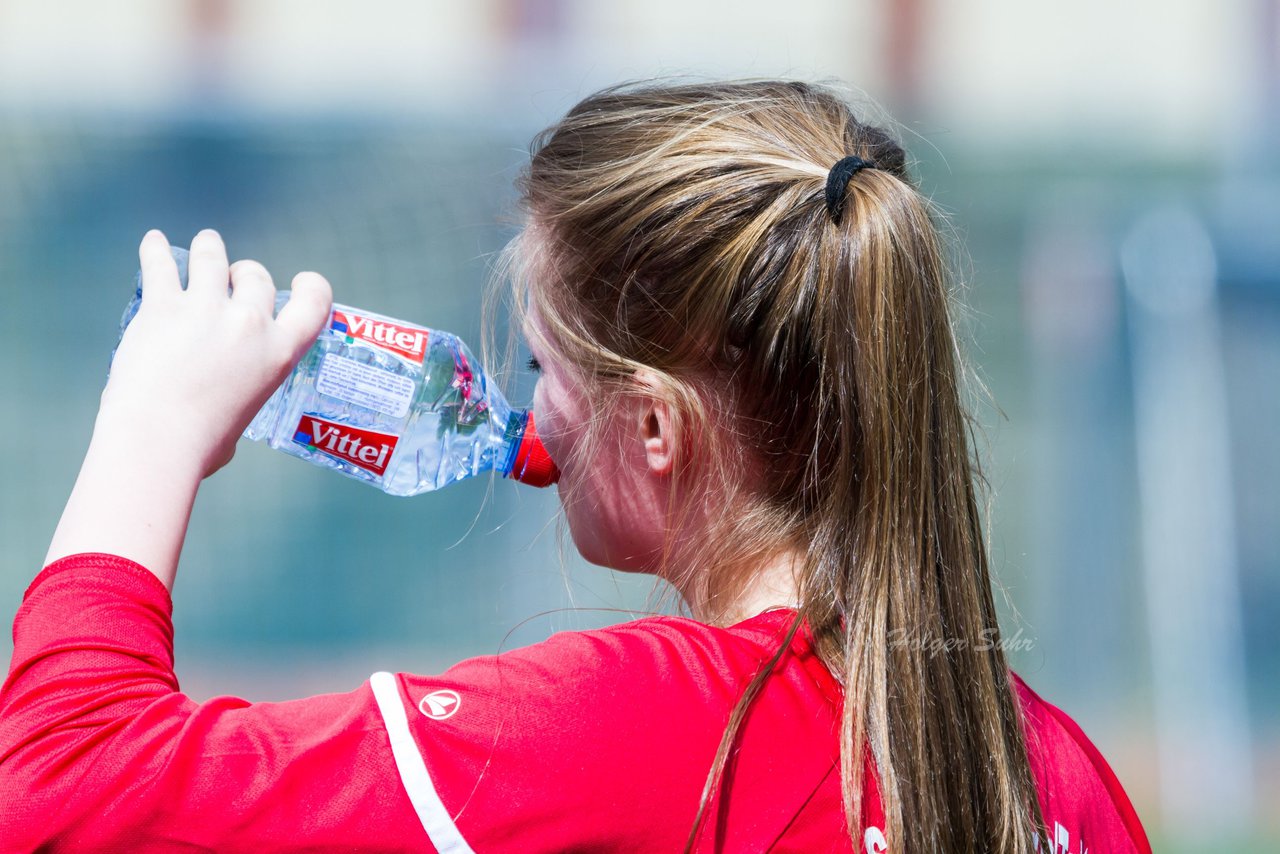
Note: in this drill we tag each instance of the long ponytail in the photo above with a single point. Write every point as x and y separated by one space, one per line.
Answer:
933 701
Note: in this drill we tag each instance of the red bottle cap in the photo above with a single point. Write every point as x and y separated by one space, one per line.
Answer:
533 464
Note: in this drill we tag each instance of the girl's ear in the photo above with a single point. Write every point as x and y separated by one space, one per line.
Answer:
657 425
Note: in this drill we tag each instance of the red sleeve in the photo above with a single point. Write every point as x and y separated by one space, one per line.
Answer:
567 744
1083 802
99 750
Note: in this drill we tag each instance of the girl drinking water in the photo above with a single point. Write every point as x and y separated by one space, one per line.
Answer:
739 305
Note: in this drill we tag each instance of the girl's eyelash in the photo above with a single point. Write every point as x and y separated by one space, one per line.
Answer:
533 365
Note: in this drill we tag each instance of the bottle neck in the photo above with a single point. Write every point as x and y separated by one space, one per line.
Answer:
512 436
527 458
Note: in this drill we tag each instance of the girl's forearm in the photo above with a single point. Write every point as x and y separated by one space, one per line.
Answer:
133 497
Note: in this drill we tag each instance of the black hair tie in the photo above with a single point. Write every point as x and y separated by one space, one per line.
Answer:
838 183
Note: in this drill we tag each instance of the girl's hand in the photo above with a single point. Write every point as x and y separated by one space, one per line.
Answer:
196 365
193 368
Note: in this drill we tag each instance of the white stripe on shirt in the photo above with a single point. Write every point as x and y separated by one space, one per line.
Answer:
422 793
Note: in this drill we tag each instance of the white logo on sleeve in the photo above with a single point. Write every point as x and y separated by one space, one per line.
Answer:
441 704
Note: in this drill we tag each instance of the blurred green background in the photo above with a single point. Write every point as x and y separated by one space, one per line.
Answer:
1111 177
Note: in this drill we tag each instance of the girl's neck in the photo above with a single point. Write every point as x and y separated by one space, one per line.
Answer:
771 584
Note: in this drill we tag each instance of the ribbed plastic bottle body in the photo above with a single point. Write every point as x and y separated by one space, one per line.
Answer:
402 425
404 408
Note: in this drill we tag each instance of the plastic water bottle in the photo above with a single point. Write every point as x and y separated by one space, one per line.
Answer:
401 407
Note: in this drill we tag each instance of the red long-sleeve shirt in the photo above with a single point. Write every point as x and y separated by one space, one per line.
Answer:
588 741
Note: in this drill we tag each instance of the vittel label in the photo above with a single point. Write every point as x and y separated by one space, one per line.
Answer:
407 342
366 449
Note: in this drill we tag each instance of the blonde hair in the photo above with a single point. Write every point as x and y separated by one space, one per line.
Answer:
813 373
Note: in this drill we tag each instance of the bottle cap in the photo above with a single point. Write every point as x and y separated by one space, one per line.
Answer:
533 464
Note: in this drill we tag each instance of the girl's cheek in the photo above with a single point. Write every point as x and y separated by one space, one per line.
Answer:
548 424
